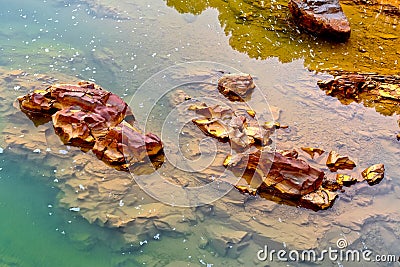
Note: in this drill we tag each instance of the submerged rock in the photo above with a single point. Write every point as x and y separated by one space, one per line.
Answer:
322 17
236 87
105 187
379 91
374 174
87 116
178 97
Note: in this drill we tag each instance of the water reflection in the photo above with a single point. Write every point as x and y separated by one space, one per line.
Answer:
264 29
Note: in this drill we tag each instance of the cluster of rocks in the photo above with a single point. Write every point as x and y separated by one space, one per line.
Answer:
278 173
110 198
86 116
239 127
358 85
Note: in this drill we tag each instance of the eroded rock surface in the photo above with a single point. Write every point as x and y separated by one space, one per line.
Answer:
123 146
87 116
321 17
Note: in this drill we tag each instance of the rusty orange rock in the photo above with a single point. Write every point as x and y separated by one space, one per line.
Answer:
70 124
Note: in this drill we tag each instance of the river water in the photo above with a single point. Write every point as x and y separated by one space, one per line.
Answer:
144 50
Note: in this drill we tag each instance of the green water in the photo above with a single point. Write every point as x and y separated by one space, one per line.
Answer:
36 232
67 38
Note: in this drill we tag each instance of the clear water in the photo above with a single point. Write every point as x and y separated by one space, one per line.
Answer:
67 38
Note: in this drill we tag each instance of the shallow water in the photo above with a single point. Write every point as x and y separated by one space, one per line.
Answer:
143 50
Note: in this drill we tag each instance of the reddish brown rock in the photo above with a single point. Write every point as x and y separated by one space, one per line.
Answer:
85 95
281 178
286 176
236 87
345 180
330 182
320 199
124 146
85 115
321 17
70 125
37 102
